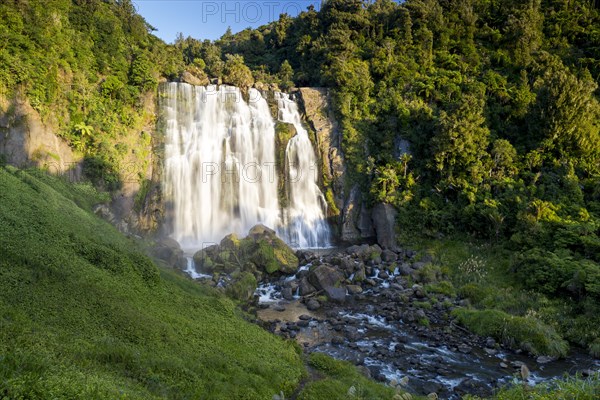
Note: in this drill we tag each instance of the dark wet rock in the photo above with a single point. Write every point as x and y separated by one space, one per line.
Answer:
352 333
287 293
337 340
329 279
544 359
431 387
405 269
370 282
490 342
388 255
383 275
304 317
354 289
313 305
336 294
471 386
588 372
305 256
490 352
465 349
303 324
360 274
358 251
170 252
279 308
306 288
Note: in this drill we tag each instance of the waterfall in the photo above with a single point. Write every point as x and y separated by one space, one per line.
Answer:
304 220
220 173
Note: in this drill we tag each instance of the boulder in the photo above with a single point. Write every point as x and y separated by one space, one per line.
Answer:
354 289
388 256
384 221
260 251
306 288
170 252
313 305
242 286
327 278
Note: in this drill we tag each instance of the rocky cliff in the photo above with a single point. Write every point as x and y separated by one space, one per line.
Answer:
26 141
347 210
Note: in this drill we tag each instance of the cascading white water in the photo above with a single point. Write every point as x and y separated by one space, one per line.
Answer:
304 222
220 173
219 162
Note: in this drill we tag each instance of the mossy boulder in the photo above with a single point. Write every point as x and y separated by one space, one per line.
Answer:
242 286
261 251
268 252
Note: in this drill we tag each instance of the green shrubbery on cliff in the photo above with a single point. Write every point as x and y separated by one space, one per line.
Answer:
498 103
90 68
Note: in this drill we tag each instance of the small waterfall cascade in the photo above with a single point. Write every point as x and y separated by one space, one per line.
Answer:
220 172
304 223
219 168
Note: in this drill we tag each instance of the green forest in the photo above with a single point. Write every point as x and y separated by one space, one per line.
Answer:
496 100
499 103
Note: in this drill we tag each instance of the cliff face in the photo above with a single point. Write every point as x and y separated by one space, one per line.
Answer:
26 141
347 210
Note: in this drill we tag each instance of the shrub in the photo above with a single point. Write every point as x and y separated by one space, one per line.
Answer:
527 333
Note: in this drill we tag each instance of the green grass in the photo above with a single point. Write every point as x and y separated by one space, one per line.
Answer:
483 273
83 314
526 333
341 380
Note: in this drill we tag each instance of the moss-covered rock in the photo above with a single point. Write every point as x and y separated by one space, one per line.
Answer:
242 286
260 252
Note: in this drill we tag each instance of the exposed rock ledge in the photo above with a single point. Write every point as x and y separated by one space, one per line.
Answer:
26 141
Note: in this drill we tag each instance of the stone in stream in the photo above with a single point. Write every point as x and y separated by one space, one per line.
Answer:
544 359
354 289
337 340
287 293
405 269
383 275
329 279
465 349
388 256
306 288
313 305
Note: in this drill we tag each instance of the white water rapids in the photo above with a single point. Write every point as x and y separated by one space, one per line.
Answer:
220 173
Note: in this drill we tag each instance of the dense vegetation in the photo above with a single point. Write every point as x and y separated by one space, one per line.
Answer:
498 103
90 68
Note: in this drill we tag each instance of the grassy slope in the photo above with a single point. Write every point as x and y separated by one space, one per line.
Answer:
84 315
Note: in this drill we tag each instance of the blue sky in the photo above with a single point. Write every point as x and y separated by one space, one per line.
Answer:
203 19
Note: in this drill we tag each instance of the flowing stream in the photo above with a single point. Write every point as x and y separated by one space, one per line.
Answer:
220 173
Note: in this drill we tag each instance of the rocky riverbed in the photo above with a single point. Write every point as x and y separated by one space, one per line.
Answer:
387 311
370 307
